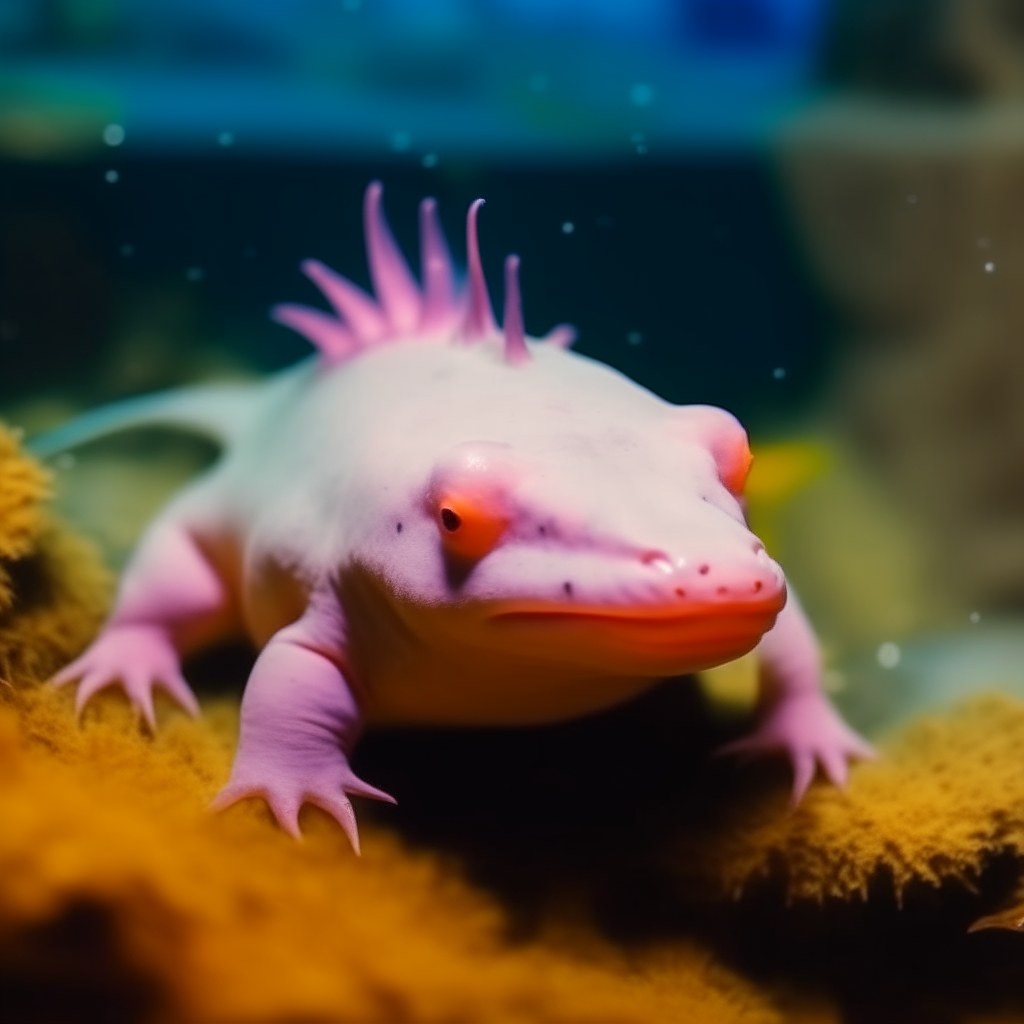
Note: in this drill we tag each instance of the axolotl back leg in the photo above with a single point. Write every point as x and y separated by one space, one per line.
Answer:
172 599
300 721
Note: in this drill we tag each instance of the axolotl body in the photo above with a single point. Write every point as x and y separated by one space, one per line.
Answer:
439 521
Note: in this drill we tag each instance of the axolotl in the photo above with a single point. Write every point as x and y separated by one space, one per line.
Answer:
435 520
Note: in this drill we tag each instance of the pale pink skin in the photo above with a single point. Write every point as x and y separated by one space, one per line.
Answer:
624 557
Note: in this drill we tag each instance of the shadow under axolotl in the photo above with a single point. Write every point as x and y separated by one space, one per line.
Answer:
574 819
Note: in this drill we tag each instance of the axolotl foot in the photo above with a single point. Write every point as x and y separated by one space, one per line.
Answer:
139 657
286 786
810 731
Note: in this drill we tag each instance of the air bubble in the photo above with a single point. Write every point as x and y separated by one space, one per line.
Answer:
111 177
429 160
568 227
226 139
113 135
641 94
888 654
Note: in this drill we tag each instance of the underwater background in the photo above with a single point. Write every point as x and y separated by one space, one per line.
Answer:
809 212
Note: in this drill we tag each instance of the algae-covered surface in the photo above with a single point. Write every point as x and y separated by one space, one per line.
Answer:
195 916
607 869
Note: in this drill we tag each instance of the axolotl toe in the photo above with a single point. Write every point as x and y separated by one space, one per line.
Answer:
439 521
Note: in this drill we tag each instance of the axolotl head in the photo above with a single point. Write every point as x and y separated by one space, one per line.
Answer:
527 500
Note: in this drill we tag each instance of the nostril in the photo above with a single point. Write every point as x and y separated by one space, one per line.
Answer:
757 586
658 559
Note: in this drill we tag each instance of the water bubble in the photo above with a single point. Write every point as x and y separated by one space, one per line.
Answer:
568 227
641 149
888 654
65 461
984 243
539 82
641 94
195 274
912 199
113 135
779 373
430 160
401 141
111 177
127 249
636 138
634 338
990 268
974 618
226 139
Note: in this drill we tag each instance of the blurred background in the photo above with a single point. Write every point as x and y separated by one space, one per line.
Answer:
810 212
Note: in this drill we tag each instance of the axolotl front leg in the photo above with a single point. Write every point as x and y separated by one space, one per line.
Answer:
171 600
300 722
796 715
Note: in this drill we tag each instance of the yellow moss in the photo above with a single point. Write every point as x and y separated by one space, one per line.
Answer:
54 590
235 921
943 798
23 486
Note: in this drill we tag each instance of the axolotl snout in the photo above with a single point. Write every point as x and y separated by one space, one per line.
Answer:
440 521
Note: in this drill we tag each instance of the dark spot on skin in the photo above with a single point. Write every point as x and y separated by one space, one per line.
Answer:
680 592
723 590
704 570
398 528
451 519
757 586
542 530
567 587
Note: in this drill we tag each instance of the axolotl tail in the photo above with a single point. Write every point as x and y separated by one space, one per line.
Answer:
221 412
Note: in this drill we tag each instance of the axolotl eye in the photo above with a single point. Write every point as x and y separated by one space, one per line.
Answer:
471 526
470 499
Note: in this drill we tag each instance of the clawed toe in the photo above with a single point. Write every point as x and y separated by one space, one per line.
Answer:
139 659
285 797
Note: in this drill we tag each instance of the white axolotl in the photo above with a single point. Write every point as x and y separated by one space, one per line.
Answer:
439 521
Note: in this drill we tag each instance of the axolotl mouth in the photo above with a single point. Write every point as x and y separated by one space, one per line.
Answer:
692 621
646 640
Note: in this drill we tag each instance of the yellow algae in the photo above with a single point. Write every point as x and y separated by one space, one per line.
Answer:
54 590
942 799
230 919
23 486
